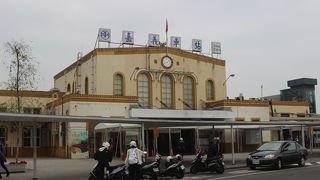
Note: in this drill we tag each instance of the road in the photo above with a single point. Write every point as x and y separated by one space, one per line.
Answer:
73 169
288 173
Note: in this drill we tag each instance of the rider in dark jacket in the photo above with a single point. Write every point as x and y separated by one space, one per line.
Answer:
104 157
214 148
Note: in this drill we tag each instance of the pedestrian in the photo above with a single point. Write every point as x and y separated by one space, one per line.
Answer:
3 158
181 147
133 161
104 158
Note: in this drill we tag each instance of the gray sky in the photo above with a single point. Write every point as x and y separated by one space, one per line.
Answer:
263 42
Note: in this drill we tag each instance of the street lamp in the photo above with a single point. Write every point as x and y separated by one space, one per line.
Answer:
225 81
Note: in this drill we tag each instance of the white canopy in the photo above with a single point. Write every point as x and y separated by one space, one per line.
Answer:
102 126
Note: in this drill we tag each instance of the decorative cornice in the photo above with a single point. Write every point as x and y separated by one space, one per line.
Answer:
141 50
93 98
36 94
231 102
289 103
252 103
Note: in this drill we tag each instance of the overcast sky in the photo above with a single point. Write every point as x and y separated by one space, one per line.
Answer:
263 42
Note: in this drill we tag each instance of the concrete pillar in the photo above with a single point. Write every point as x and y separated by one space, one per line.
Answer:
232 145
34 134
302 136
142 137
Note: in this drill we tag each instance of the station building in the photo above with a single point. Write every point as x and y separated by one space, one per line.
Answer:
137 82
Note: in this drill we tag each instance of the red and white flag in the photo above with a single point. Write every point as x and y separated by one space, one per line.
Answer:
166 25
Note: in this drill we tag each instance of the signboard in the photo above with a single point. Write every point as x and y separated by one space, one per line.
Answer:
175 42
128 37
196 45
154 40
215 47
79 144
104 35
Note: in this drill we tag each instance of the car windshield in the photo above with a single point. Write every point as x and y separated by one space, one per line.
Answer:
272 146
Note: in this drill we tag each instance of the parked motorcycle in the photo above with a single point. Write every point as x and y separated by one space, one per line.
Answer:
212 164
118 172
150 170
174 167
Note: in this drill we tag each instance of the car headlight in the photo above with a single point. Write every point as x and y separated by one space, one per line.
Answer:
249 156
269 156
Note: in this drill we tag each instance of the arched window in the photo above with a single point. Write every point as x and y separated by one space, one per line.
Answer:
118 86
86 86
188 93
167 91
144 90
68 88
210 90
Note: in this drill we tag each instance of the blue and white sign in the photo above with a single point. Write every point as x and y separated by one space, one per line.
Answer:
175 42
104 35
128 37
215 47
154 40
196 45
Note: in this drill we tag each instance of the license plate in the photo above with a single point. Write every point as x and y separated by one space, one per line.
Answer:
182 167
156 169
255 161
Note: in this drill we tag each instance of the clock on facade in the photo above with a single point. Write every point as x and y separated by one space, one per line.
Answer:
167 62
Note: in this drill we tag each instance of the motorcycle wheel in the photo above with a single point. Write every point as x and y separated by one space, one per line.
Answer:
220 169
194 170
180 174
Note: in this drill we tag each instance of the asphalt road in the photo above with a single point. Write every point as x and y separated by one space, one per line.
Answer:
288 173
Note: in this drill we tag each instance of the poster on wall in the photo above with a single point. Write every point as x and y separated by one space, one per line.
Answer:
79 144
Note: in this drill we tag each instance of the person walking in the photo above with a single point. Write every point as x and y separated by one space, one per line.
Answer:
104 157
3 158
133 161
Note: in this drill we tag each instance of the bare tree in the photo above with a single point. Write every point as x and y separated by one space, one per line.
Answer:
22 76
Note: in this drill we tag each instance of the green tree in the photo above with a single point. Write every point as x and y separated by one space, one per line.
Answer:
22 76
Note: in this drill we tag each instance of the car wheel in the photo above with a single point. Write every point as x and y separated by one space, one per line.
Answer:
278 164
252 167
302 161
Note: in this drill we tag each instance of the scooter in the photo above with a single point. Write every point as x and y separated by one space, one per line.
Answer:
150 170
174 167
215 164
118 172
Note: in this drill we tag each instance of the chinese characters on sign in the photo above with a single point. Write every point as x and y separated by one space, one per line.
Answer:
175 42
196 45
128 37
104 35
154 40
215 47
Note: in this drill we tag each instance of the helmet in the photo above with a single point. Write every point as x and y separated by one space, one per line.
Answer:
169 158
106 145
179 157
133 144
181 139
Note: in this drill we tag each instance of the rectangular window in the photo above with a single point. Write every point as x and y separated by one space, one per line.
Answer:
32 110
255 119
285 115
27 137
239 118
3 109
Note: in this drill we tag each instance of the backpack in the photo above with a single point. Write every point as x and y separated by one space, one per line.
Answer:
133 158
